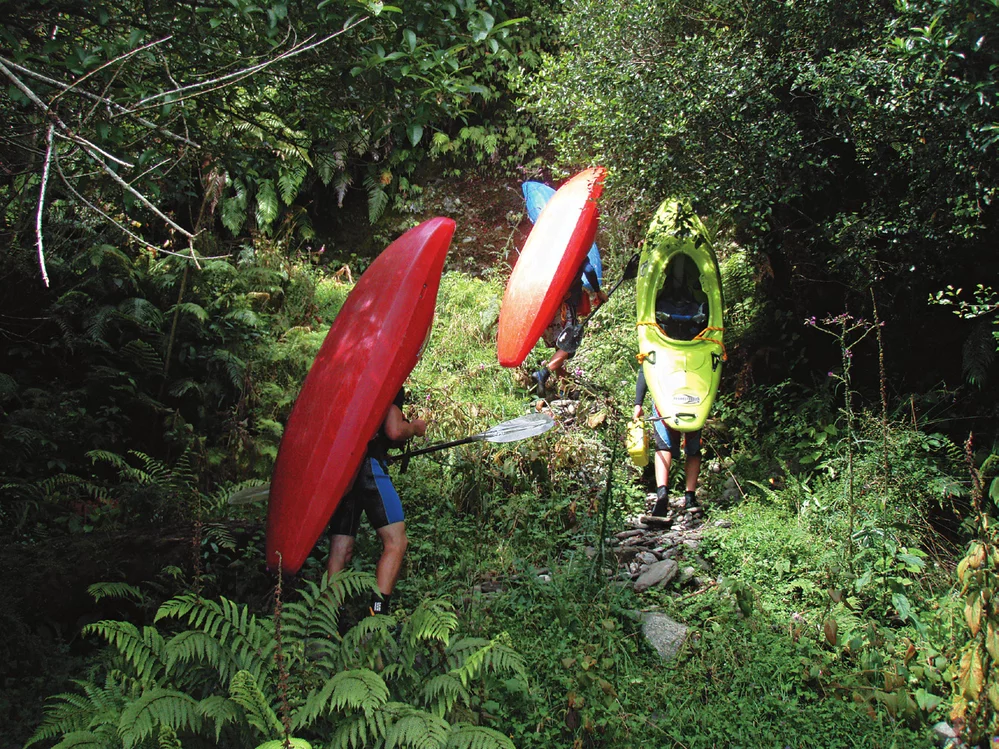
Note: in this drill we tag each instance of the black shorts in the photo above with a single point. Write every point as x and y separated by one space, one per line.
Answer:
669 439
371 493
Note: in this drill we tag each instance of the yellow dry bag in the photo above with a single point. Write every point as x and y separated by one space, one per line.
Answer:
638 443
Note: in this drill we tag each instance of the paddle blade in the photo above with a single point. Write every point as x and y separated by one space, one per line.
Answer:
529 425
631 269
250 494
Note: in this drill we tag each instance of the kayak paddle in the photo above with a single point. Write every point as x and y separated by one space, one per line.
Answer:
529 425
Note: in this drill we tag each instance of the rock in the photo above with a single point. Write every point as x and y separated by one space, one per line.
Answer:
629 534
647 558
686 575
544 578
723 524
660 573
590 552
663 634
692 543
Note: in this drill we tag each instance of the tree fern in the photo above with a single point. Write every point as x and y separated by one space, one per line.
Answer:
157 707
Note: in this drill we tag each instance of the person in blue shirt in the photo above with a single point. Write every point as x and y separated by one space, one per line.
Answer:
577 303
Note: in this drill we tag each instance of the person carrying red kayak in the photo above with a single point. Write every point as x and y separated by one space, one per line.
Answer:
374 494
561 331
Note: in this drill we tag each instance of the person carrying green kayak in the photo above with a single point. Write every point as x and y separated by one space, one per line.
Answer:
681 313
667 448
373 494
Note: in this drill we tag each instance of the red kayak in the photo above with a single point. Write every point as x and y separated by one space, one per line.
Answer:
548 264
370 349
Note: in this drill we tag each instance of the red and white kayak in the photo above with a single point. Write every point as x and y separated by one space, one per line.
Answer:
371 348
548 265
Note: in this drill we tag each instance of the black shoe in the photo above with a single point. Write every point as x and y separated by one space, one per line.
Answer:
690 502
540 379
661 508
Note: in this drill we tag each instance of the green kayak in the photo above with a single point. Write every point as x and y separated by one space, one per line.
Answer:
680 316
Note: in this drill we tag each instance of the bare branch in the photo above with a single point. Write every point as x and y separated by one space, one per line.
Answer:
119 58
142 198
41 203
121 226
100 99
230 78
67 131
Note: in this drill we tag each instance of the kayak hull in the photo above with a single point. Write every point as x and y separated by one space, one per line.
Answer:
548 265
369 351
683 376
536 196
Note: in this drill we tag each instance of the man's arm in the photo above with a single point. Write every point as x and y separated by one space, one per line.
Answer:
398 429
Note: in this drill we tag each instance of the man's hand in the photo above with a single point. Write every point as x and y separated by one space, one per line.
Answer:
419 427
638 412
601 298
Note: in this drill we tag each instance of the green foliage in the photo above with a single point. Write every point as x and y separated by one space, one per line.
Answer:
216 675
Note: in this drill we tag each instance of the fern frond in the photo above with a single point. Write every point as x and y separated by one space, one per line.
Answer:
473 656
69 712
196 311
267 204
86 740
234 208
246 692
221 711
358 689
442 692
249 642
432 620
157 707
467 736
98 322
378 199
143 355
416 728
290 180
98 591
143 651
233 366
141 312
355 731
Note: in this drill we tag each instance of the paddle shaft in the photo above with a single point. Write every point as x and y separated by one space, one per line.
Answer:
435 448
630 271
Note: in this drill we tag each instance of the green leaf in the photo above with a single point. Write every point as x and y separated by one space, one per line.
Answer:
415 133
267 204
902 606
410 37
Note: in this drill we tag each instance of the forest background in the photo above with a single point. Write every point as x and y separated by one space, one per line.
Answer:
188 191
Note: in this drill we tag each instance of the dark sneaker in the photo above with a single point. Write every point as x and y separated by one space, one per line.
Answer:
690 503
661 508
540 380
